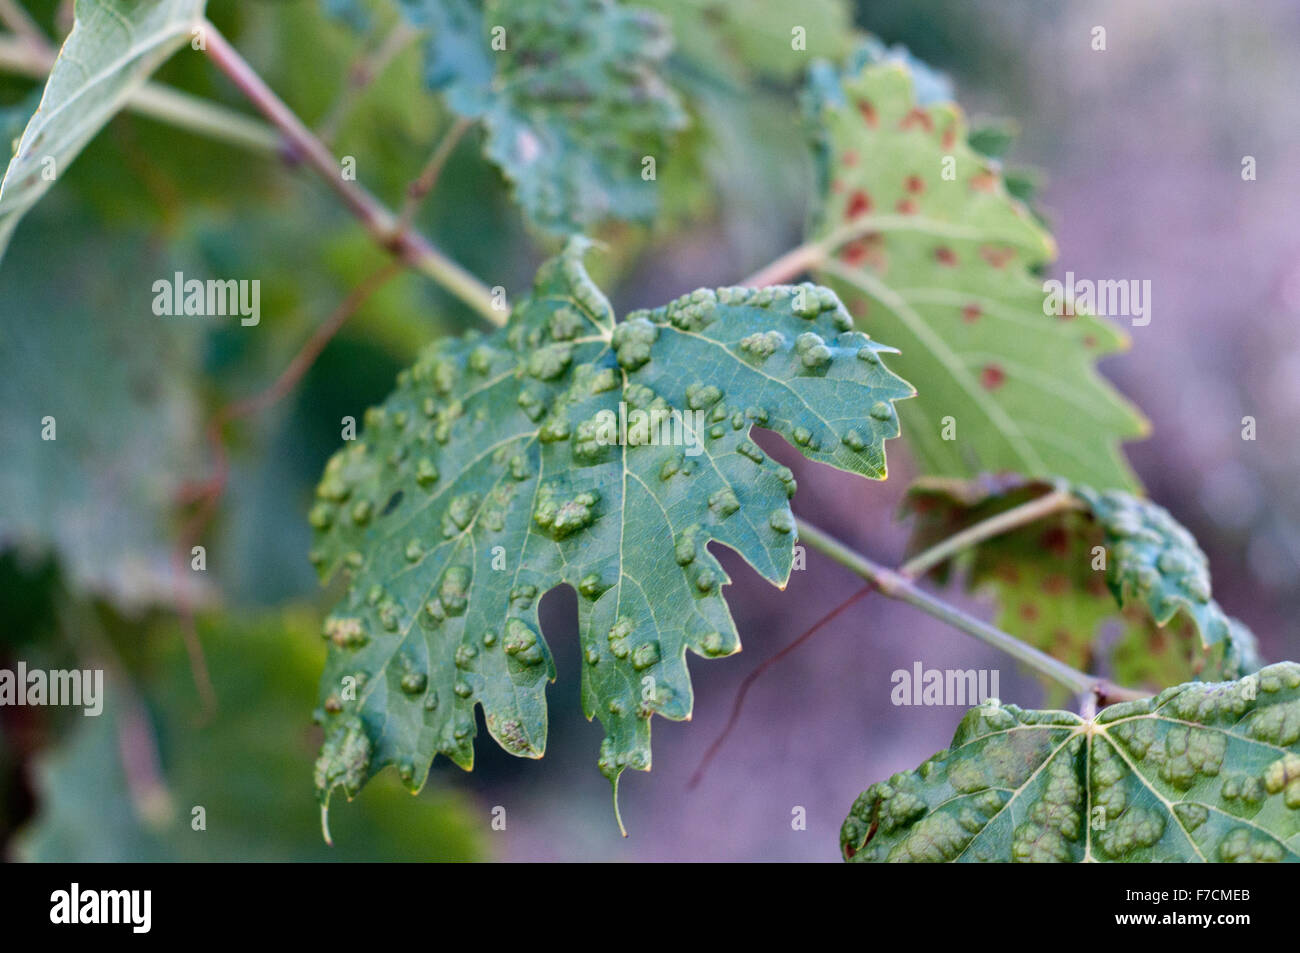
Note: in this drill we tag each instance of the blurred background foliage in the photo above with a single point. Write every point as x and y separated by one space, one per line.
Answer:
1142 146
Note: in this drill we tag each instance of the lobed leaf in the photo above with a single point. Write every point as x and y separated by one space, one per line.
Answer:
114 46
1201 772
491 476
946 268
1052 591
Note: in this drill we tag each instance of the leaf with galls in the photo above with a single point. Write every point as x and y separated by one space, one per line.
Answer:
601 455
1062 579
570 94
1201 772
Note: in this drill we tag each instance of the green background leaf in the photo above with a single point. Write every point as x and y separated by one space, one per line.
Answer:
237 766
113 49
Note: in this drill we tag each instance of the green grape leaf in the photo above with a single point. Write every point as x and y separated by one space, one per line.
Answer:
101 425
571 96
498 470
1207 771
237 765
114 46
946 269
1053 591
758 38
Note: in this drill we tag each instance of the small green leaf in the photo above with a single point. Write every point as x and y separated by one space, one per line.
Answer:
930 251
1061 580
114 46
499 469
1202 772
570 94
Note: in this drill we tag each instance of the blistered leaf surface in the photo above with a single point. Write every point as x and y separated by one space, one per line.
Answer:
571 96
931 252
1116 559
1201 772
490 476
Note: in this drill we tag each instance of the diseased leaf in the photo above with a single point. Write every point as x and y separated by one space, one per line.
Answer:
571 97
496 472
1202 772
114 46
944 267
1053 592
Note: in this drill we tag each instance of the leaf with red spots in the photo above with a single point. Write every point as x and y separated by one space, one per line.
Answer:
1145 617
952 280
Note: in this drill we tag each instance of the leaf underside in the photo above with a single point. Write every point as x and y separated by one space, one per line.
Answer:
114 46
1155 587
491 476
572 105
944 268
1202 772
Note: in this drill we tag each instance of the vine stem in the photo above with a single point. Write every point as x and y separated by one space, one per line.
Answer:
26 57
811 254
20 21
428 177
406 245
1030 512
895 585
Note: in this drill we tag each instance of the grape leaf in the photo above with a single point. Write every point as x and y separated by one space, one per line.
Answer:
1202 772
496 472
572 102
735 41
237 765
944 268
84 361
113 48
1155 583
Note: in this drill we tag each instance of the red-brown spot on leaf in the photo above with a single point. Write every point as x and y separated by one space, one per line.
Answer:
917 118
1055 584
854 253
992 377
859 204
983 181
995 256
949 138
971 313
905 207
850 158
945 256
1056 541
915 184
868 112
1028 611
